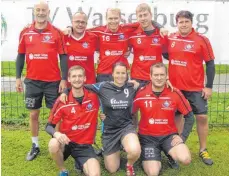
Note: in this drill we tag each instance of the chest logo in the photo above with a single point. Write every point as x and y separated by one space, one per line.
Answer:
73 111
189 47
155 40
121 36
85 45
166 104
46 38
67 43
89 106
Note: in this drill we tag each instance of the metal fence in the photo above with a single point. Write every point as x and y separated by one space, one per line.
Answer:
13 110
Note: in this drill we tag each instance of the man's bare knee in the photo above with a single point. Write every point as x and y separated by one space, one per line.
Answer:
111 168
54 146
153 171
186 160
34 114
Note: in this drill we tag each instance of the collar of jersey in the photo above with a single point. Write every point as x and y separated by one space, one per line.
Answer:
78 39
72 99
48 27
140 30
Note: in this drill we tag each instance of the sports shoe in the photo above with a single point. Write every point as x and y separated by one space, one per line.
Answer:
33 153
130 170
63 173
172 163
204 155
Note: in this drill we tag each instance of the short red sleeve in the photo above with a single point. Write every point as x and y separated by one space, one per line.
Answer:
130 27
56 113
135 105
183 105
62 49
206 49
21 46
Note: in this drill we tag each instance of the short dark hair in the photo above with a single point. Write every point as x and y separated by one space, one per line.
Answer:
185 14
158 65
118 64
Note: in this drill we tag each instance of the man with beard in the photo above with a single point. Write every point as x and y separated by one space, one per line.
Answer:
78 122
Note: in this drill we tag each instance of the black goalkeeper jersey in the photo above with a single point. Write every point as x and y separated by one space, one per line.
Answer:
116 103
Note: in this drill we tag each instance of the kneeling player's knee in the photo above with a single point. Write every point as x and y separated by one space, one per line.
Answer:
111 168
134 153
185 159
153 171
54 146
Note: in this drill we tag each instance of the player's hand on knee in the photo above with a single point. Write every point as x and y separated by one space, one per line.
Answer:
176 140
62 138
67 31
102 116
163 32
19 86
63 98
206 93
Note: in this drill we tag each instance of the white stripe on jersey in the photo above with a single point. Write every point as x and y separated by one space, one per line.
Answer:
63 107
108 33
181 40
145 98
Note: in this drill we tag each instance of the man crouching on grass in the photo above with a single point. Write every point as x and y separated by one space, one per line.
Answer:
78 119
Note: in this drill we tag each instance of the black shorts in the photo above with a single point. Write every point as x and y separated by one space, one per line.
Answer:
112 141
80 152
104 77
152 146
35 90
198 104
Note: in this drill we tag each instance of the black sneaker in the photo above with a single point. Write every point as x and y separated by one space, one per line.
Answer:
33 153
172 163
204 155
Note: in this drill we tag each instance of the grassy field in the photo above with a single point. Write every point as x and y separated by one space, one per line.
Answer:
16 143
8 68
14 112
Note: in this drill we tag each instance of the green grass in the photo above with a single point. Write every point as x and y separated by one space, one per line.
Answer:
14 112
8 68
16 143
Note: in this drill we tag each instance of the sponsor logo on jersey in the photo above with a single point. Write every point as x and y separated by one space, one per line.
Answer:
155 40
166 105
67 43
81 127
118 104
89 106
158 121
113 53
178 62
38 56
145 58
77 58
85 45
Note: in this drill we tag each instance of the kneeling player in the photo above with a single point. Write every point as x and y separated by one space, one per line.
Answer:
157 129
78 119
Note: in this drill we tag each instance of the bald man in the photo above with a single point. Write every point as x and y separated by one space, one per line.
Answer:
40 44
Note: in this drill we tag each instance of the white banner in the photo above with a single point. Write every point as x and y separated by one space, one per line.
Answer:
210 19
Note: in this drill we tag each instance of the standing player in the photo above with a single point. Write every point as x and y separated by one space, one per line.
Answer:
40 44
113 42
148 46
157 129
187 50
81 46
78 126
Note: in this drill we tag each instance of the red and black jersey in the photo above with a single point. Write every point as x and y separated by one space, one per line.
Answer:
113 46
158 113
81 52
147 50
78 121
186 56
42 49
